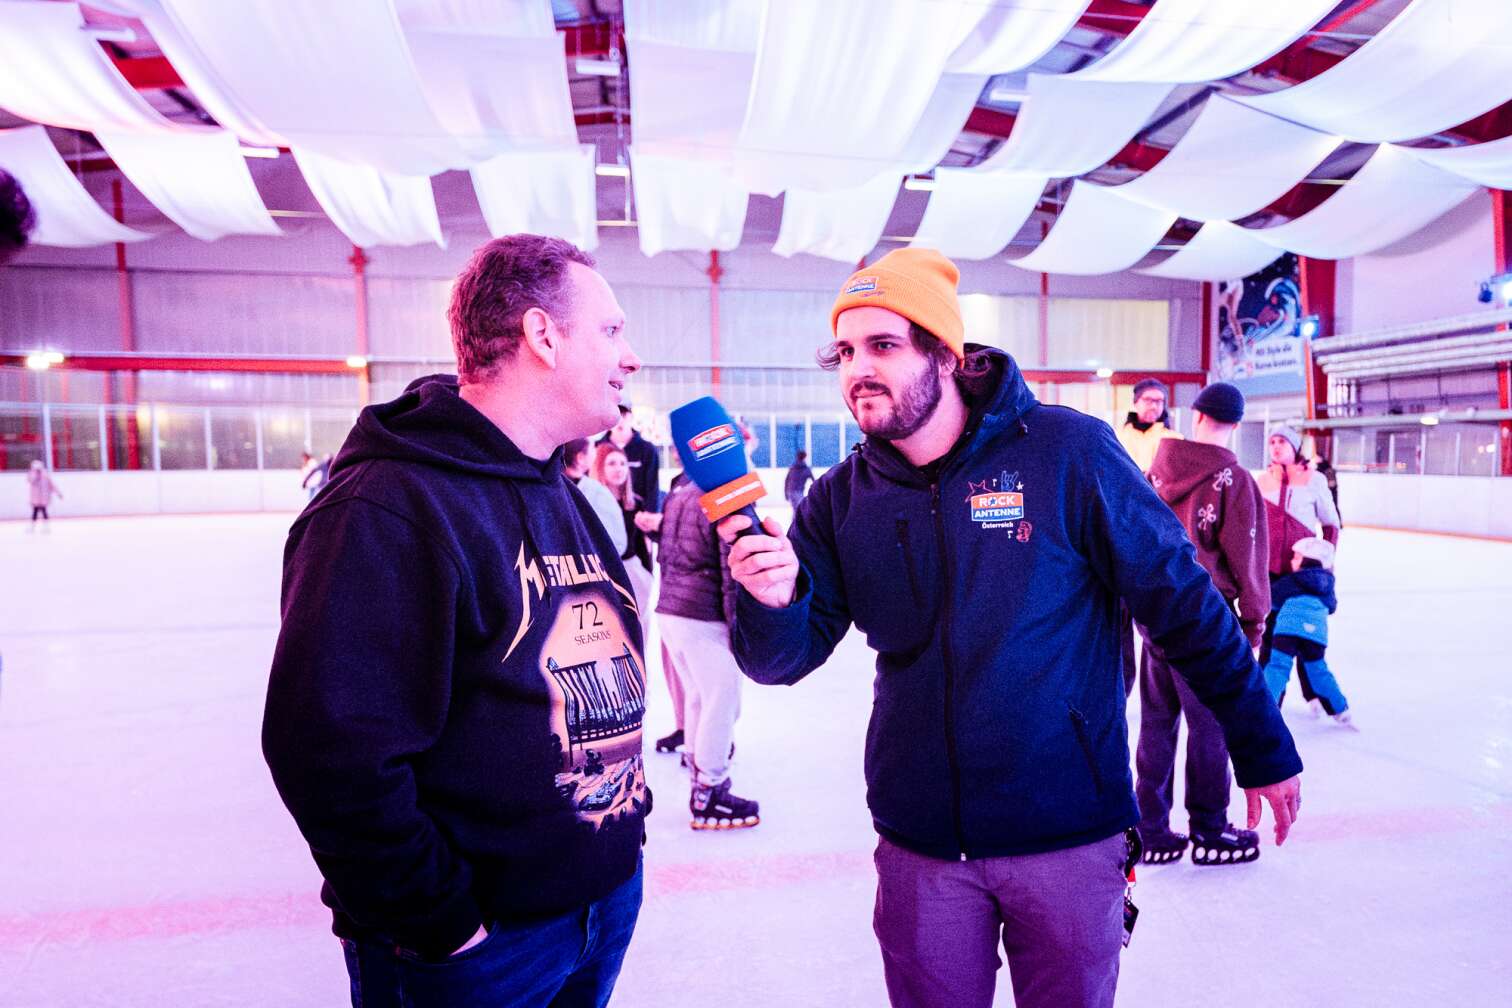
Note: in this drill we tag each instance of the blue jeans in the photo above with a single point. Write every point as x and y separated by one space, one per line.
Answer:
571 961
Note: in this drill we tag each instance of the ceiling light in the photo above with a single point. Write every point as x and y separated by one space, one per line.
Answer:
1428 420
616 170
41 360
357 362
1309 327
1007 96
597 67
1105 372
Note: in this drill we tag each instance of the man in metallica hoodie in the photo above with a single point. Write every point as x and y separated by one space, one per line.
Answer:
454 711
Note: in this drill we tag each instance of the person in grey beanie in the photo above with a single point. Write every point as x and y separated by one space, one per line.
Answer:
1223 513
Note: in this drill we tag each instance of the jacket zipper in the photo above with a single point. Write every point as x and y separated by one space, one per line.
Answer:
1079 722
908 565
945 614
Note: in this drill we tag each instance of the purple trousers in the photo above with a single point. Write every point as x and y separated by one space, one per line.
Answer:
1059 917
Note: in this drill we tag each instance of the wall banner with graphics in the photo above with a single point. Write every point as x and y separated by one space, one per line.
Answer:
1260 348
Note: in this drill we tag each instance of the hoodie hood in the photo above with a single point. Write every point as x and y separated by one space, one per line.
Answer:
431 424
1180 467
1004 405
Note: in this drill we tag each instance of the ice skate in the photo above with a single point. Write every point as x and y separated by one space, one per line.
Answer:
1163 847
670 743
715 808
1345 719
1232 846
1315 708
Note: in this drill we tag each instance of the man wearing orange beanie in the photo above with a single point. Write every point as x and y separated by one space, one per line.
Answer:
982 542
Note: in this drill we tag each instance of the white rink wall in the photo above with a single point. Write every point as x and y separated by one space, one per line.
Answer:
99 494
1467 505
166 492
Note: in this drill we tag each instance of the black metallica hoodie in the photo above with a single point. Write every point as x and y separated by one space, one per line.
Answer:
454 711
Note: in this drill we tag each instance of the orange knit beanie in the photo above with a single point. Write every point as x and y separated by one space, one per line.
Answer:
917 283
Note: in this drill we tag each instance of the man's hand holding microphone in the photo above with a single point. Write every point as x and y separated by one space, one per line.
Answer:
713 454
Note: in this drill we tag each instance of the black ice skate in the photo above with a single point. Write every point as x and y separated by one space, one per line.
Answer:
1232 846
1163 847
669 743
716 808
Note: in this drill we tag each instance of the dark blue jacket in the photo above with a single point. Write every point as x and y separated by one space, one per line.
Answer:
991 597
1314 581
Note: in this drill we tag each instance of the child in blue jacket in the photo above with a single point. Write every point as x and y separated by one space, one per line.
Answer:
1302 601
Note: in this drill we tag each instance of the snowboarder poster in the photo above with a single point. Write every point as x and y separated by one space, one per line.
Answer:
1260 345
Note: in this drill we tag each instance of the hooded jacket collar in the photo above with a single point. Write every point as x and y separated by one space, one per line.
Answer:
433 425
1182 466
1004 405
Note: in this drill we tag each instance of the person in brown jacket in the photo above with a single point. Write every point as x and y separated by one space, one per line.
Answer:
1223 511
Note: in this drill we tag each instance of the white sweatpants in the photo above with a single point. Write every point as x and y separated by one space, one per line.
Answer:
711 692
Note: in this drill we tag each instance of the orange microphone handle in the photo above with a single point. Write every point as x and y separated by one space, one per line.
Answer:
738 496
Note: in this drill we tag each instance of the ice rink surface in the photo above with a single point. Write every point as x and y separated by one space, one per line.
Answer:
145 858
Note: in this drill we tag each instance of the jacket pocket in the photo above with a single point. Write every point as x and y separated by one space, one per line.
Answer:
908 560
1083 739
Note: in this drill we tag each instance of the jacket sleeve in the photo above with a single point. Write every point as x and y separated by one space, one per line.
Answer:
359 690
1245 541
729 588
1139 549
608 510
1323 504
781 646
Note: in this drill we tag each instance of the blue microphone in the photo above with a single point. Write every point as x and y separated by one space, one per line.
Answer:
713 455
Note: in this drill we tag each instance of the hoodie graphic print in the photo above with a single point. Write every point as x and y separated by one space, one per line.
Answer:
454 712
595 678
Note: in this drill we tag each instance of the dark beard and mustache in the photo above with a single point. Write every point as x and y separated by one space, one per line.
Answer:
912 407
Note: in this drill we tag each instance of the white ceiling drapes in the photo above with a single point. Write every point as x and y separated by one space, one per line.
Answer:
1097 231
52 71
66 214
1391 197
493 71
1231 162
842 225
334 79
1219 251
372 207
198 180
685 205
541 192
1013 34
1190 41
974 214
1490 164
1436 64
1106 116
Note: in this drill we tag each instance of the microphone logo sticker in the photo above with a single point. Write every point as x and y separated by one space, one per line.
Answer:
713 441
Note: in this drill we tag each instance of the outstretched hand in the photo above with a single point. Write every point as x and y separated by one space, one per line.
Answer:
765 565
1285 799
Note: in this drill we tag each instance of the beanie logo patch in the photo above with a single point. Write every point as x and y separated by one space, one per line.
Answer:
862 285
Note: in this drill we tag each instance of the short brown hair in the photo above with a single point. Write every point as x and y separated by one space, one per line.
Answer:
972 372
505 279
